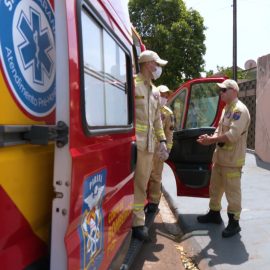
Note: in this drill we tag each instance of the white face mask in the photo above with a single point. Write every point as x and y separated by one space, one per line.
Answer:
157 73
162 101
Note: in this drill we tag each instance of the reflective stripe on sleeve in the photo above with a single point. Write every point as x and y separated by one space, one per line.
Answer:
141 128
169 145
160 133
240 161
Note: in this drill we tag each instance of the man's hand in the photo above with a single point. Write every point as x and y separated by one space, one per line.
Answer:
205 139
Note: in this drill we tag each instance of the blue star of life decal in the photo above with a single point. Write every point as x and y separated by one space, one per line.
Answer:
35 48
27 51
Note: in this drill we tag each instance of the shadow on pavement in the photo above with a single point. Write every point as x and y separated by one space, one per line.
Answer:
260 163
210 244
160 248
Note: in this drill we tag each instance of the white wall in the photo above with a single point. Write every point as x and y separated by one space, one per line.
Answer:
262 130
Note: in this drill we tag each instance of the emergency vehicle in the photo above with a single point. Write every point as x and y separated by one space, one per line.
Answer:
67 137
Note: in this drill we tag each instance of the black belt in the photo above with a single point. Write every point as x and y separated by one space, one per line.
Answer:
221 144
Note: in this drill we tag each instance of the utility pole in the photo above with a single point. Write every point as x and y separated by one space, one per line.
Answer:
235 40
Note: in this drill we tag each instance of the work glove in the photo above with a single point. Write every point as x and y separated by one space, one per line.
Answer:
163 151
163 147
163 155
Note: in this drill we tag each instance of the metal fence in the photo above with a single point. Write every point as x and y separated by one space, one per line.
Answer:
247 95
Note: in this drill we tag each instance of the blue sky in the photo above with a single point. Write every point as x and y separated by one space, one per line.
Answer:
253 28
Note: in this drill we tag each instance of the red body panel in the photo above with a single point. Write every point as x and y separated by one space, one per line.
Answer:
24 242
21 246
92 154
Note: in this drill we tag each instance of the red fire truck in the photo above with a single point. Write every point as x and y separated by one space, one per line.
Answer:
67 139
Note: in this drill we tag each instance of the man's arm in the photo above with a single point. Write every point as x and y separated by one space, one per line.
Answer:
168 129
158 127
208 140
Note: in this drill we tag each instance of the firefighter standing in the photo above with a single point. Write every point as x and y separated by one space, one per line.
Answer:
148 127
228 159
154 186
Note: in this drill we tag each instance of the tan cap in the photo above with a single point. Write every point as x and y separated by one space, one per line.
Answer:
163 89
147 56
229 84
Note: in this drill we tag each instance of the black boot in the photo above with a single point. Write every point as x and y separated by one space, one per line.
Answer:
210 217
140 232
151 208
232 228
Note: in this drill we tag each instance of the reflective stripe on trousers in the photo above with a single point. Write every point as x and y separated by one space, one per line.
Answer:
226 180
141 178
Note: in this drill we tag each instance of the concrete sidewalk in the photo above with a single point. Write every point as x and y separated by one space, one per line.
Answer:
250 249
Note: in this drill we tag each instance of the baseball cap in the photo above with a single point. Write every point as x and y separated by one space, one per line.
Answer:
229 84
163 89
147 56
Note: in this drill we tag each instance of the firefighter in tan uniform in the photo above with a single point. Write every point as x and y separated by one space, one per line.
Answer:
148 127
167 117
228 159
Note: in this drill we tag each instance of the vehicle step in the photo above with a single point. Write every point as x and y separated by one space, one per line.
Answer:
135 244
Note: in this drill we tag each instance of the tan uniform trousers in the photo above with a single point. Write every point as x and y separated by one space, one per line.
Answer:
141 178
154 186
226 180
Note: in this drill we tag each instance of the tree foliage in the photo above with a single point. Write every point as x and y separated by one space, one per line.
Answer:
175 33
228 72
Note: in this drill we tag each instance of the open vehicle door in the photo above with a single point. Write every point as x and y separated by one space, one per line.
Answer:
93 176
197 109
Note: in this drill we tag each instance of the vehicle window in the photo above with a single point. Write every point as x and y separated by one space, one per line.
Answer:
105 77
136 52
177 106
203 105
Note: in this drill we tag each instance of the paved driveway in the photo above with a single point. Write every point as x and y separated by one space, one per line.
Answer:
250 249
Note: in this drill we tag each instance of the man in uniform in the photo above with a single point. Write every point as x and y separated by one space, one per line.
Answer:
148 127
154 186
228 159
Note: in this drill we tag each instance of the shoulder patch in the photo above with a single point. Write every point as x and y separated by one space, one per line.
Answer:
236 115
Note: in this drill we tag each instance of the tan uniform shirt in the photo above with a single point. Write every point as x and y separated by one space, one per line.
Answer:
234 123
168 125
148 119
